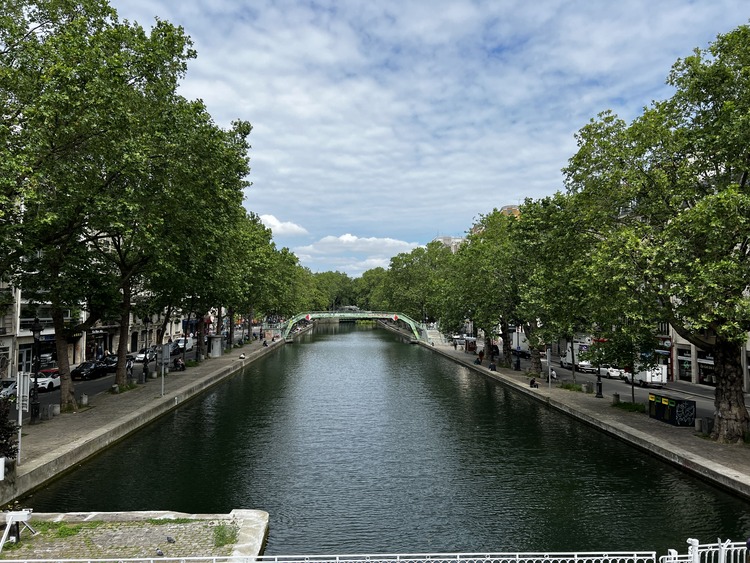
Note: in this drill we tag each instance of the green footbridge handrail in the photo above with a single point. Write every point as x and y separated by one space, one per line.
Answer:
416 327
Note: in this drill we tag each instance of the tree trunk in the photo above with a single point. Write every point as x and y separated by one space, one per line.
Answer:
67 389
731 417
507 360
230 319
535 351
122 348
200 336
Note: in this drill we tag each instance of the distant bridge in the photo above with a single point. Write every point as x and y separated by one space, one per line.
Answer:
416 328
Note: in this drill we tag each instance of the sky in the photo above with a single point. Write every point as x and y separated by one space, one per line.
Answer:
379 125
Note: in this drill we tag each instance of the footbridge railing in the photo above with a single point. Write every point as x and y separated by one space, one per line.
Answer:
416 328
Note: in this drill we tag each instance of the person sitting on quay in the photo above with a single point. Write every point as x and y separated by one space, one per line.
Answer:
478 361
493 367
533 383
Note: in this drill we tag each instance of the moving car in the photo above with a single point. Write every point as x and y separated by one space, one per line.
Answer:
110 362
48 379
145 354
184 344
89 370
610 372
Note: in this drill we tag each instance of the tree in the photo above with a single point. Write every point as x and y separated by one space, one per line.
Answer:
667 198
554 244
486 273
8 431
370 290
415 281
81 93
337 287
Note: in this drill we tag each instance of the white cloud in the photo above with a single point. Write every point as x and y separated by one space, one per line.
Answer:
403 120
351 254
283 228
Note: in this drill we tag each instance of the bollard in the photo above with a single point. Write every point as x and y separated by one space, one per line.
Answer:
84 400
56 409
615 398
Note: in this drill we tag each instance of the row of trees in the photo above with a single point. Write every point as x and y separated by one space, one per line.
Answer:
653 227
117 193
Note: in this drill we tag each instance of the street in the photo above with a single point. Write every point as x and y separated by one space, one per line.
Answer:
99 385
701 394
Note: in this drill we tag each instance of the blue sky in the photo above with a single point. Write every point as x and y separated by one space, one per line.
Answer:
379 125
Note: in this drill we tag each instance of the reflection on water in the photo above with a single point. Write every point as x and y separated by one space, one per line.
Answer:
356 442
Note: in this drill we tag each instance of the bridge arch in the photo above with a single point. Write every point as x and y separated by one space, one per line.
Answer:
416 328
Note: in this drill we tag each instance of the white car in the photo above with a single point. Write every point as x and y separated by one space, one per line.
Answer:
610 372
8 388
48 379
184 344
145 353
584 366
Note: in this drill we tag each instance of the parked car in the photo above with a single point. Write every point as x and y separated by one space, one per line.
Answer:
7 388
89 370
48 379
610 372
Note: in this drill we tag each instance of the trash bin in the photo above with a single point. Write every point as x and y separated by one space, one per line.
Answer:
677 411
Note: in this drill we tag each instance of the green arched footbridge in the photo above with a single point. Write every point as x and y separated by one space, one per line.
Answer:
416 328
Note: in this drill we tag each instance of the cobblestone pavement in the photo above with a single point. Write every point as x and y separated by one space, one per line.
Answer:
725 465
101 539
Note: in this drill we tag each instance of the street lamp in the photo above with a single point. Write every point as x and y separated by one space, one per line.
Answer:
36 330
144 373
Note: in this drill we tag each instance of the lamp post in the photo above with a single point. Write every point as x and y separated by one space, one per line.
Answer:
145 356
36 330
599 394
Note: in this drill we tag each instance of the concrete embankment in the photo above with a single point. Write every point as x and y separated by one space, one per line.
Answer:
724 465
53 447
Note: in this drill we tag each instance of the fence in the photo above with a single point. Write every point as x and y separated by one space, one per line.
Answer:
726 552
719 552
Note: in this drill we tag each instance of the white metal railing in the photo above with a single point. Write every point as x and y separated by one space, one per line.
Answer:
158 559
719 552
529 557
726 552
519 557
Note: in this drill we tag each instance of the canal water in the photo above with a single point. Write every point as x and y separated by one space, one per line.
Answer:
357 442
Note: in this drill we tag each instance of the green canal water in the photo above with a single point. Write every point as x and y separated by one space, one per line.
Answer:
357 442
